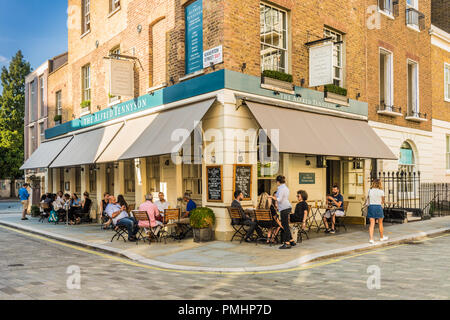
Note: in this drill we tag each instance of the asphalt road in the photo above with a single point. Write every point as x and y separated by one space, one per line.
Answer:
32 267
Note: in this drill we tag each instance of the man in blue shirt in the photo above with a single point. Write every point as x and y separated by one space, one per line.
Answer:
24 198
336 205
191 205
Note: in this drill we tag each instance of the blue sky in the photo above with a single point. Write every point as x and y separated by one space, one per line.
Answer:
37 27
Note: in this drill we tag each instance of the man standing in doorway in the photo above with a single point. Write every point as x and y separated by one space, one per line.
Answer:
24 198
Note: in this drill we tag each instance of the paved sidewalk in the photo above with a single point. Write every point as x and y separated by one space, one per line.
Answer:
226 256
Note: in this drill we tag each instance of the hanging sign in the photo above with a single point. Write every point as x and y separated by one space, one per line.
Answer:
194 37
321 65
121 78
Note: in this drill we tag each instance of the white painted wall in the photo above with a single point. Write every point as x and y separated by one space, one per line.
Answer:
440 131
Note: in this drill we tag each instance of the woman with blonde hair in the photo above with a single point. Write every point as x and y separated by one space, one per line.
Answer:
265 202
375 200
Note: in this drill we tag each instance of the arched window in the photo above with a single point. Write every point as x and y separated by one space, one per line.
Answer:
406 160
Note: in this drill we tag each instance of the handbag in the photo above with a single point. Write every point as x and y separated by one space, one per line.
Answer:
366 205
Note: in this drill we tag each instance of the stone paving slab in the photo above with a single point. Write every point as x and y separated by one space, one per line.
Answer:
226 256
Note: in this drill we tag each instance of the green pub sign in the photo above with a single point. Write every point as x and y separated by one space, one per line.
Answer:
307 178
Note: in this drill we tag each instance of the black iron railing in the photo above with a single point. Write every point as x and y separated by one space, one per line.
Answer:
415 18
435 199
384 107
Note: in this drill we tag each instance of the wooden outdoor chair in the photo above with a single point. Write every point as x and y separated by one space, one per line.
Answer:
239 228
340 221
265 221
120 232
299 227
45 211
171 217
143 218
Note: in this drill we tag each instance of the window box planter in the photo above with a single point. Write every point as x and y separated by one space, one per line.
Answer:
57 119
85 107
336 95
277 81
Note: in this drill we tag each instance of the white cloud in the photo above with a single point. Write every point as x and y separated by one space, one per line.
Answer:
3 60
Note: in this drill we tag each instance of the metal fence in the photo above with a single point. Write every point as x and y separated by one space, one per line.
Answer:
435 199
402 189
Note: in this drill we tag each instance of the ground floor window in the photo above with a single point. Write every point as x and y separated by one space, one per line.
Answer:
153 175
448 152
93 180
130 172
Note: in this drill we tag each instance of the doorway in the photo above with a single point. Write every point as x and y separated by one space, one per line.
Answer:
333 174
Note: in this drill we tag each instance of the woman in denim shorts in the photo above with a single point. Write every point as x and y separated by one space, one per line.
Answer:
375 210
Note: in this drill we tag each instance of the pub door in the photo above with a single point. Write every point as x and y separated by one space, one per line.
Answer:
333 174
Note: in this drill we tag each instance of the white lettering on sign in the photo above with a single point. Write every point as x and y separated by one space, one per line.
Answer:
321 65
213 56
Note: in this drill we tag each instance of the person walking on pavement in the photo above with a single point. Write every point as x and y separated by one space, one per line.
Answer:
24 198
285 208
375 212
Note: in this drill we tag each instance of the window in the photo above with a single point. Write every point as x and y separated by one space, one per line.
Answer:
113 5
130 182
41 95
413 89
448 153
41 131
412 3
86 16
338 67
92 180
59 103
116 50
86 85
33 101
274 44
387 6
386 79
159 53
447 82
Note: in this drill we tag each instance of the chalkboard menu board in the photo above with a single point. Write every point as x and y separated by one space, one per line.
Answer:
214 174
243 180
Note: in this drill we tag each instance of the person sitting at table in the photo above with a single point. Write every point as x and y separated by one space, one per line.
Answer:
118 213
152 212
336 209
265 202
85 207
103 205
75 207
245 219
122 202
162 204
301 210
58 205
191 205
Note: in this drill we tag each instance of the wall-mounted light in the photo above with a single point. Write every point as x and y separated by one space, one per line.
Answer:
67 170
302 82
298 95
358 95
108 170
172 80
98 108
116 165
82 169
137 163
97 43
213 159
276 93
243 67
308 162
213 66
240 157
139 28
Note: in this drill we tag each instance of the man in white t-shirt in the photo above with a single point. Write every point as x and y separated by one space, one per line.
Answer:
162 204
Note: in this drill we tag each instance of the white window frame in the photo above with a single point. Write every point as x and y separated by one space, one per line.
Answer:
86 16
415 4
389 87
388 12
58 97
86 82
447 154
338 55
412 112
285 50
447 82
114 5
41 95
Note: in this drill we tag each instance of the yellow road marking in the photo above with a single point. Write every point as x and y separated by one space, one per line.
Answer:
139 265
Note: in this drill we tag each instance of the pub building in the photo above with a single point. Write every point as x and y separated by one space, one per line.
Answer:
203 136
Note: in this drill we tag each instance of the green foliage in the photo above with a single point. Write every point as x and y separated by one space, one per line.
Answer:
336 89
12 114
202 218
85 103
57 117
277 75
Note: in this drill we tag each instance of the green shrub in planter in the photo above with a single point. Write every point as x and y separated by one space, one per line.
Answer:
336 89
57 118
35 212
202 218
277 75
85 103
202 221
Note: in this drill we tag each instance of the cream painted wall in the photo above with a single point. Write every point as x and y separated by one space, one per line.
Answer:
441 129
421 142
